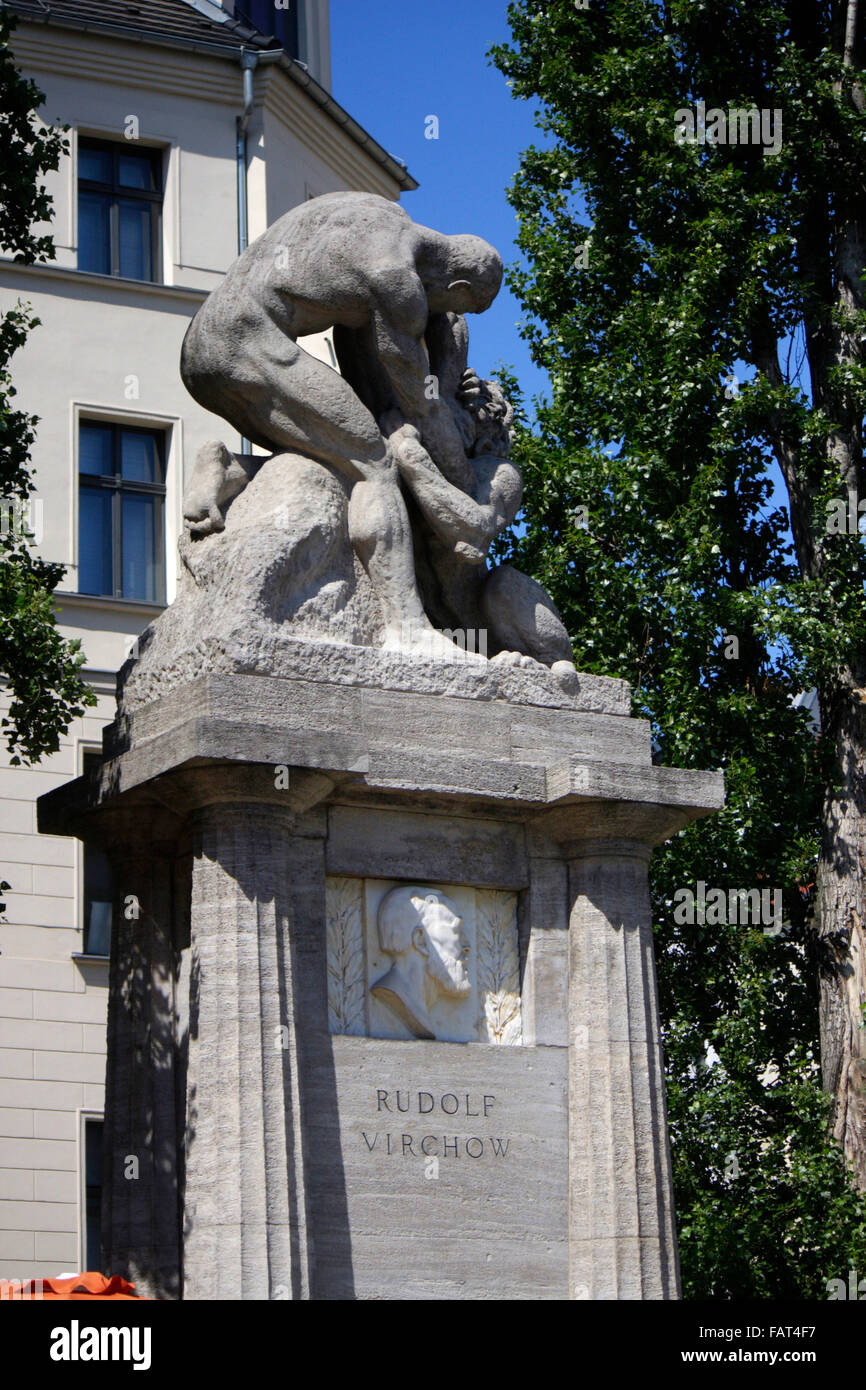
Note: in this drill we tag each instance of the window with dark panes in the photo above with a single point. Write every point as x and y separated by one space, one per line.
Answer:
119 209
93 1138
121 507
98 888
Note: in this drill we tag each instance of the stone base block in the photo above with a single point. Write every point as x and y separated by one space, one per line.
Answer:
383 1016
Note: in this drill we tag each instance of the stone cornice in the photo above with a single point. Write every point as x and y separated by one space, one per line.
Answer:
193 70
85 279
96 57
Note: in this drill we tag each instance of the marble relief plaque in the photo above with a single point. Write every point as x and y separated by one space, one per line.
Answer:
422 961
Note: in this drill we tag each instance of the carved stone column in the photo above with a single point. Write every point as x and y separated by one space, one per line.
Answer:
140 1211
622 1234
245 1207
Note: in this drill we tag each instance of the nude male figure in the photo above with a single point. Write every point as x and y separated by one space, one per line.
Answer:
463 523
355 261
524 622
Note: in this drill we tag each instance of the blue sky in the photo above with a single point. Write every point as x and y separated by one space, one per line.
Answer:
395 62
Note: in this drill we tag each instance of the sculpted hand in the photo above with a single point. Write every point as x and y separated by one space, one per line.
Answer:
398 433
408 450
466 400
469 389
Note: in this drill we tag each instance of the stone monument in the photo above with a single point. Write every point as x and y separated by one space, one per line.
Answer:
382 1016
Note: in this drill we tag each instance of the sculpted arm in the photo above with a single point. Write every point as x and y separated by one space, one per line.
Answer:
398 321
466 524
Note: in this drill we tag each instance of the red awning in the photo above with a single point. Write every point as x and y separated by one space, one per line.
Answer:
77 1286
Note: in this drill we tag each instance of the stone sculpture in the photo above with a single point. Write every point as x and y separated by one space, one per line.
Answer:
421 929
299 748
384 486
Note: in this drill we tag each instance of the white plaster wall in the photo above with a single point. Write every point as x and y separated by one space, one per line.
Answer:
96 335
52 1020
197 136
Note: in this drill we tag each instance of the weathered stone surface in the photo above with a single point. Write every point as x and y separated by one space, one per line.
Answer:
283 563
544 934
487 1223
142 1134
448 849
176 650
254 816
369 519
366 719
620 1202
245 1227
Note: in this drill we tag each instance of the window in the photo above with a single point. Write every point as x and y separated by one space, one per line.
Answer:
92 1214
119 209
121 545
98 889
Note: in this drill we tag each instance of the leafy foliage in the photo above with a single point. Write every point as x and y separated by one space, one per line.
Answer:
652 270
41 668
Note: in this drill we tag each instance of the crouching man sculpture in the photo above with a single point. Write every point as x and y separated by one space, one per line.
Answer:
406 418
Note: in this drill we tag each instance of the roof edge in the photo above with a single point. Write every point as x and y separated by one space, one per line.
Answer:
278 56
299 74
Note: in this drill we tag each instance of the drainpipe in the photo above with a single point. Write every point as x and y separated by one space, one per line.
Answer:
248 64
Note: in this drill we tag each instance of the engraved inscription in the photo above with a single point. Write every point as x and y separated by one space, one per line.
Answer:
436 1104
426 1103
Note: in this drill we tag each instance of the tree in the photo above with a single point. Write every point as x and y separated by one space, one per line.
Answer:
657 270
41 669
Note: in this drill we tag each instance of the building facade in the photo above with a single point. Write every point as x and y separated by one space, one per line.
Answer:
192 126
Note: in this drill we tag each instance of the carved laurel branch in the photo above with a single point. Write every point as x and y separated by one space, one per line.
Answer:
346 971
498 966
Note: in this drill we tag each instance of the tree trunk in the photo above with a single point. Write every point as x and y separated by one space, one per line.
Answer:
841 926
834 249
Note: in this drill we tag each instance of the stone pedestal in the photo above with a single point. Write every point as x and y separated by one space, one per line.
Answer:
620 1215
244 1208
141 1141
294 1136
